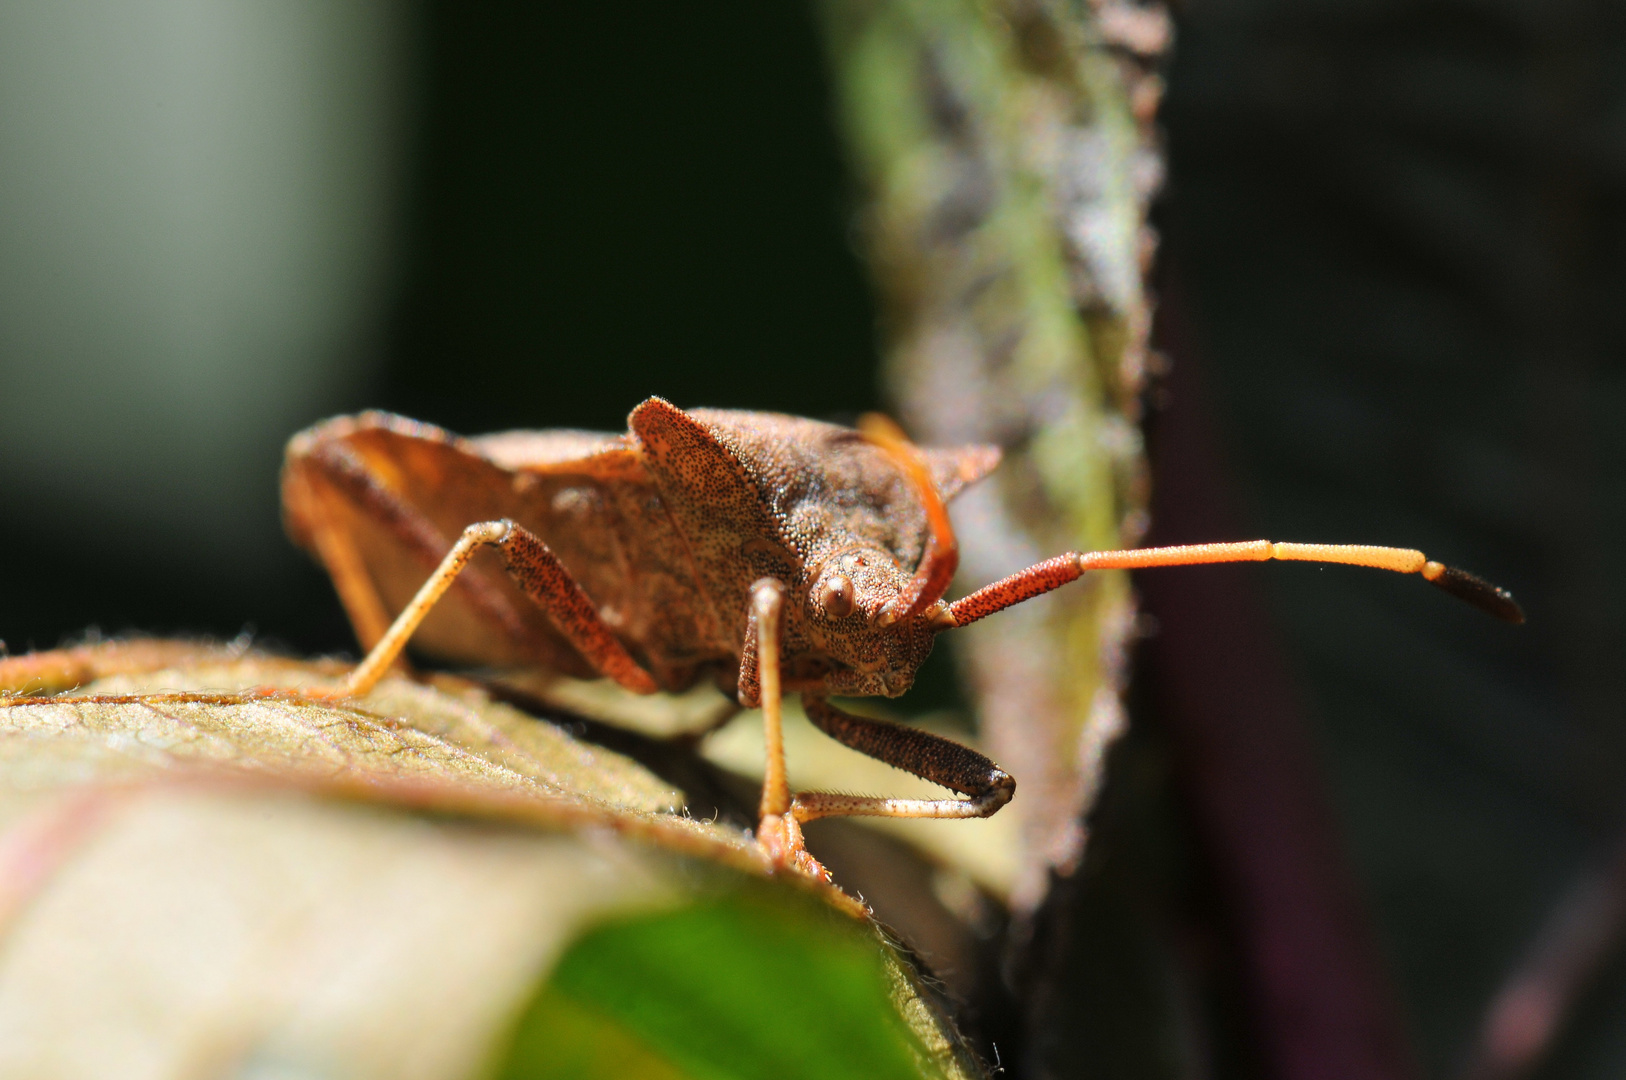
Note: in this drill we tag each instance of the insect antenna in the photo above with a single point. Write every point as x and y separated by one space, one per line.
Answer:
942 555
1054 573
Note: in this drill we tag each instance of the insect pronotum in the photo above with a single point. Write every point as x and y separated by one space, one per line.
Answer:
771 553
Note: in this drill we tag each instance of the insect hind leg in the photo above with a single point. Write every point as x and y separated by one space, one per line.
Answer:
536 570
383 655
317 507
931 757
323 479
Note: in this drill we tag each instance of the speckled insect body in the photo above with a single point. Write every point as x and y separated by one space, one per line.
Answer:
769 553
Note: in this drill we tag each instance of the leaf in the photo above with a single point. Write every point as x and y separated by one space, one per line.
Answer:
204 871
742 986
176 718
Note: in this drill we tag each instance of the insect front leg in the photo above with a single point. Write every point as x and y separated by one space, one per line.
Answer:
536 570
777 828
931 757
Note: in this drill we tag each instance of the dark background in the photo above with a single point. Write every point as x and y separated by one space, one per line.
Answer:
587 208
1399 228
1393 249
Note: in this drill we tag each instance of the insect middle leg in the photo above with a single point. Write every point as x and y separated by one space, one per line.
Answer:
536 570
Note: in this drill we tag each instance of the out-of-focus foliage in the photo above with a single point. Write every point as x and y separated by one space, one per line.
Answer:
1005 181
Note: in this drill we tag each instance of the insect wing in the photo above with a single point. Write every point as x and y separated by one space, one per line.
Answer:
399 493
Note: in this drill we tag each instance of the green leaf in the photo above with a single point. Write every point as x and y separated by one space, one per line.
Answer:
753 984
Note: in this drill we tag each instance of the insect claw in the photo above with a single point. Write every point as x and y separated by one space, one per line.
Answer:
780 836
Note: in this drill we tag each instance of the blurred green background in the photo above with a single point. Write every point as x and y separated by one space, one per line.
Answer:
1396 231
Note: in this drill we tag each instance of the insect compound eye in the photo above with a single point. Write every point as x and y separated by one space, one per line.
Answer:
836 596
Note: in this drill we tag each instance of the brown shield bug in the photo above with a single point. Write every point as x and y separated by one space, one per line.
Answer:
771 553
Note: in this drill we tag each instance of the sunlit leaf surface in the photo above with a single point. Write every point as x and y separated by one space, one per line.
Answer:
204 872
